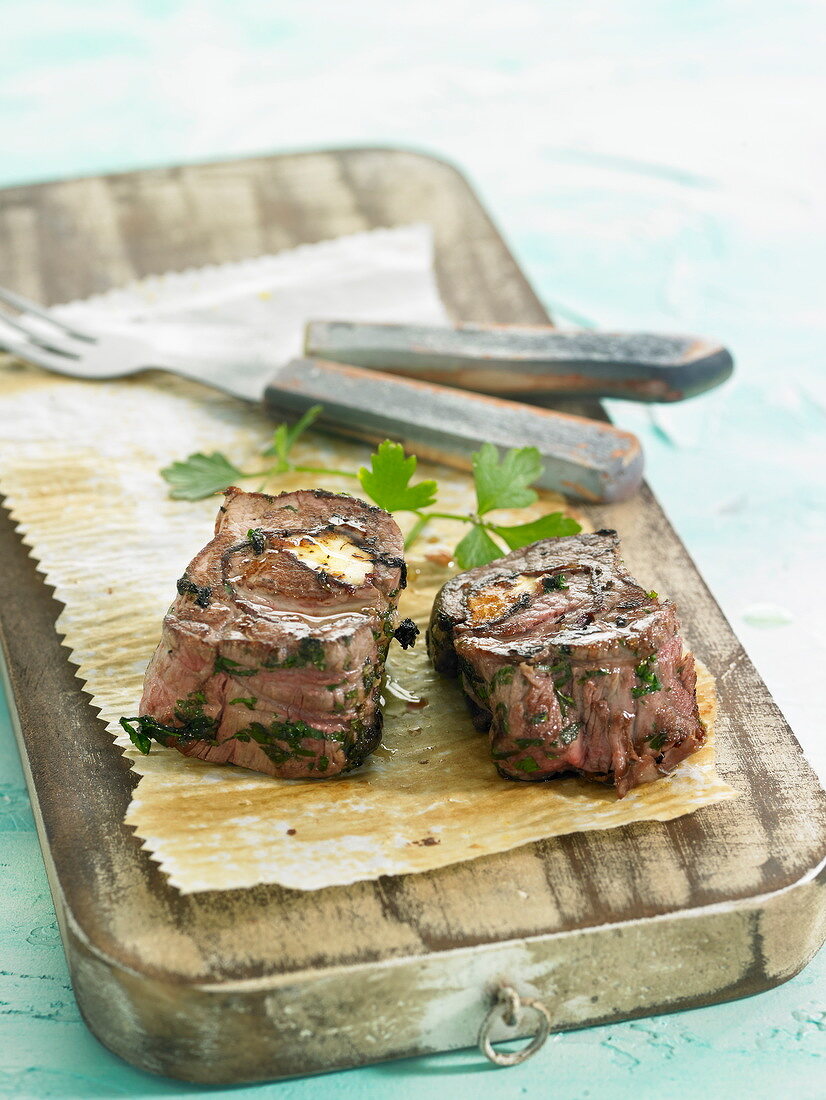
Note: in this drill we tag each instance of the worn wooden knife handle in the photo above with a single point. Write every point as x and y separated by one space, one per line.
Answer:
521 360
586 459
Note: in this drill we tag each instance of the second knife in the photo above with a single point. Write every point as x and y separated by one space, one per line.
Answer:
536 361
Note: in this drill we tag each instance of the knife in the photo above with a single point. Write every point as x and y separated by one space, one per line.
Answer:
530 361
587 459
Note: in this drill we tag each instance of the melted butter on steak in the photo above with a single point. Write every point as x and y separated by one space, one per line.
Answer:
336 555
500 597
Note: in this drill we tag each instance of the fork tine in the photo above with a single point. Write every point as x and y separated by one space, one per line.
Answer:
23 349
17 322
27 306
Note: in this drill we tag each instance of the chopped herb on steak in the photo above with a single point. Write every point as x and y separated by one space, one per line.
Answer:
295 597
561 681
648 679
257 539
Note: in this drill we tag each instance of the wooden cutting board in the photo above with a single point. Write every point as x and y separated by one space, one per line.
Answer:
267 982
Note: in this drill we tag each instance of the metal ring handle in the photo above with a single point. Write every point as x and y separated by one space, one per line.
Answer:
509 1006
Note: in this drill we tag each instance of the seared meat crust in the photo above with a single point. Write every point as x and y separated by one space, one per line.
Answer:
569 663
272 654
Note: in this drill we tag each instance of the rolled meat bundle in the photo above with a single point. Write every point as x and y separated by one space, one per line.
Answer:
570 664
272 654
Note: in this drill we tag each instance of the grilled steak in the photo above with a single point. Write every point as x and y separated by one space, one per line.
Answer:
272 654
569 663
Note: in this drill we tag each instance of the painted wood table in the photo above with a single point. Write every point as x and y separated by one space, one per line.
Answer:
510 299
654 166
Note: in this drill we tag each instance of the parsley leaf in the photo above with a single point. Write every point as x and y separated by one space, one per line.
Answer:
233 668
387 483
527 764
477 548
139 739
500 481
649 680
504 483
257 539
248 701
546 527
285 435
200 476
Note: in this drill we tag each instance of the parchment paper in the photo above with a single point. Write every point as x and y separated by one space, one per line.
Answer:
79 469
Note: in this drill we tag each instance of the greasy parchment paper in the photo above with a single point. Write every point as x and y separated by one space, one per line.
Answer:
79 469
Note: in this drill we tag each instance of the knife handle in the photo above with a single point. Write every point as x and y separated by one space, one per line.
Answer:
520 360
586 459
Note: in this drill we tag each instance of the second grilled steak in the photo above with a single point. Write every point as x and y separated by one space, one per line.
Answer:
570 663
272 654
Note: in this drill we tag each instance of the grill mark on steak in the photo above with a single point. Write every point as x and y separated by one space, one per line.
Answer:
560 680
279 667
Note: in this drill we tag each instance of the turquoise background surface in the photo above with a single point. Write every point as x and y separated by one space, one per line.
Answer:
653 165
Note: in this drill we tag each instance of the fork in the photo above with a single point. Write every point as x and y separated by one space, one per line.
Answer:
228 357
586 459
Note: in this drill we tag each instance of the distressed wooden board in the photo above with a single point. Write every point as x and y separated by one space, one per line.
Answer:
267 982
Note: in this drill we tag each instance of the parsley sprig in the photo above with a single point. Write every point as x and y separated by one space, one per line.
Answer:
500 481
201 475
